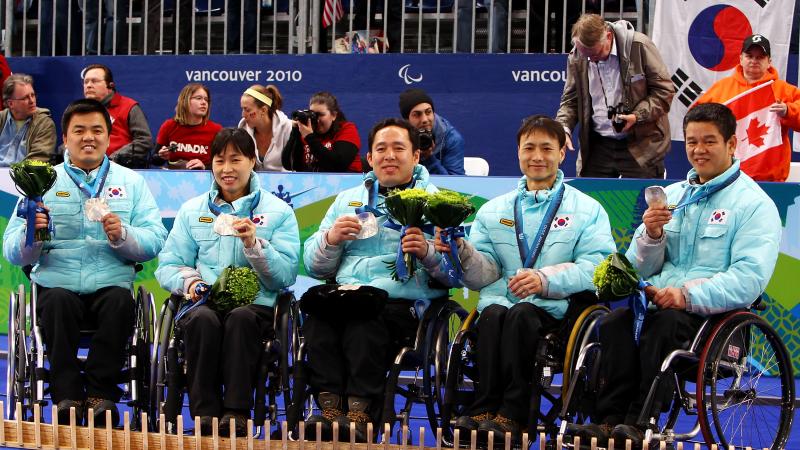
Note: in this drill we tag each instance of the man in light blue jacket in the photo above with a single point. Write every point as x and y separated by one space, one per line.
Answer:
222 348
105 221
525 285
348 354
713 253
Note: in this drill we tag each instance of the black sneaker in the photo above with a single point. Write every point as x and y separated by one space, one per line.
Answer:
239 424
64 408
499 426
623 433
331 406
357 414
100 406
588 431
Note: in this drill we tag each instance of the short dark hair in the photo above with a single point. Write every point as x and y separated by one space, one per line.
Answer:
237 137
84 106
107 75
413 135
540 122
715 113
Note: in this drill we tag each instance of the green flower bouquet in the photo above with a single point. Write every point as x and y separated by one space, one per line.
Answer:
447 210
236 286
33 179
406 209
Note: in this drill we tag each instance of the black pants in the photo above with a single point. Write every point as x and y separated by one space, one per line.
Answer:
610 158
153 37
351 357
626 372
507 342
62 314
224 351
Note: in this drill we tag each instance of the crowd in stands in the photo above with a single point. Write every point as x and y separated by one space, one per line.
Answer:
107 220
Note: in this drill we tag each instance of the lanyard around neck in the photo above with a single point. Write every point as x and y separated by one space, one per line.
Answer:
216 210
99 181
529 254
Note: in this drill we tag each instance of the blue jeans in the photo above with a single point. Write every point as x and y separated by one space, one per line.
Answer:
107 25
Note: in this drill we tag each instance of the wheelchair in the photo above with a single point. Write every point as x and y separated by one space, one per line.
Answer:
168 366
743 378
560 351
27 371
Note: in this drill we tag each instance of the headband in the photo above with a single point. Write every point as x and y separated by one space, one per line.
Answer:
259 96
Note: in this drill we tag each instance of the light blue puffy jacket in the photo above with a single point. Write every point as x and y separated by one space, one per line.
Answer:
195 252
579 239
720 251
363 262
79 257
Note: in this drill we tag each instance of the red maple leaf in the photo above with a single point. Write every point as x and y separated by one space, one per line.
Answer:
756 132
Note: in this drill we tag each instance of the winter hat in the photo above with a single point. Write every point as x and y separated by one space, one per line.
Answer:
411 98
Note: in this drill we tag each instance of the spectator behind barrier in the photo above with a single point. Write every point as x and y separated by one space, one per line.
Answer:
755 68
264 236
714 252
444 155
105 221
267 124
322 139
130 141
352 336
26 131
184 141
521 301
624 123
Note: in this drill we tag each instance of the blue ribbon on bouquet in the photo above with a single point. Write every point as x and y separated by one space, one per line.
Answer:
452 265
27 209
400 263
203 290
637 302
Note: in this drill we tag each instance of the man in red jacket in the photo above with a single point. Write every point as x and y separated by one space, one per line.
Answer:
755 67
130 141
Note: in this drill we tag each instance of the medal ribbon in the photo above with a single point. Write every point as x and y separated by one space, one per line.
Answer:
700 194
98 183
529 258
216 210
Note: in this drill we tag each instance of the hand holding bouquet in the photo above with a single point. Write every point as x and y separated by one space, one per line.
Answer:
33 179
406 209
448 210
615 279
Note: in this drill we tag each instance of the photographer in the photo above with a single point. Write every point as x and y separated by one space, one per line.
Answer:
623 113
183 141
322 139
444 154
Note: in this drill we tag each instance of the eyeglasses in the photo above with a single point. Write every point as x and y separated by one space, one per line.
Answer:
199 98
27 98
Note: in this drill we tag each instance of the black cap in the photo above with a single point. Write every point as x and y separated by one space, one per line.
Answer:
759 40
411 98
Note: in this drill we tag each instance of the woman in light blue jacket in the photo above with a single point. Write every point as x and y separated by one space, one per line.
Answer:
222 350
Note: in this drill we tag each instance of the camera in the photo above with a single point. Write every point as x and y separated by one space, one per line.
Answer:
613 112
425 139
173 147
305 116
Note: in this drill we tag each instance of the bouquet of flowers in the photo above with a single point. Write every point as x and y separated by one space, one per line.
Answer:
615 278
447 210
33 179
406 209
236 286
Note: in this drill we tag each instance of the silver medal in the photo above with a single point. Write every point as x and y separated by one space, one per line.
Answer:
224 225
95 209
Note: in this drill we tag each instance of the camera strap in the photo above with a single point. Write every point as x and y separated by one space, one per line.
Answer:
529 254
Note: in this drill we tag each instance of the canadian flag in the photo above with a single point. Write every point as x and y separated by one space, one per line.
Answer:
758 130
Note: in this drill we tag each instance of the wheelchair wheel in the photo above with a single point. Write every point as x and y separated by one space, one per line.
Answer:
163 328
745 385
461 374
17 367
437 350
140 357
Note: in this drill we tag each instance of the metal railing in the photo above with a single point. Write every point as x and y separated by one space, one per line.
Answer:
126 27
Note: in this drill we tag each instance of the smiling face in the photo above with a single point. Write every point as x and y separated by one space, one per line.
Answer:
392 156
707 151
232 171
421 116
539 156
86 138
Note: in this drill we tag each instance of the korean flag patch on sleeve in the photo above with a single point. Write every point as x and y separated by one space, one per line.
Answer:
260 220
116 192
561 222
719 217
